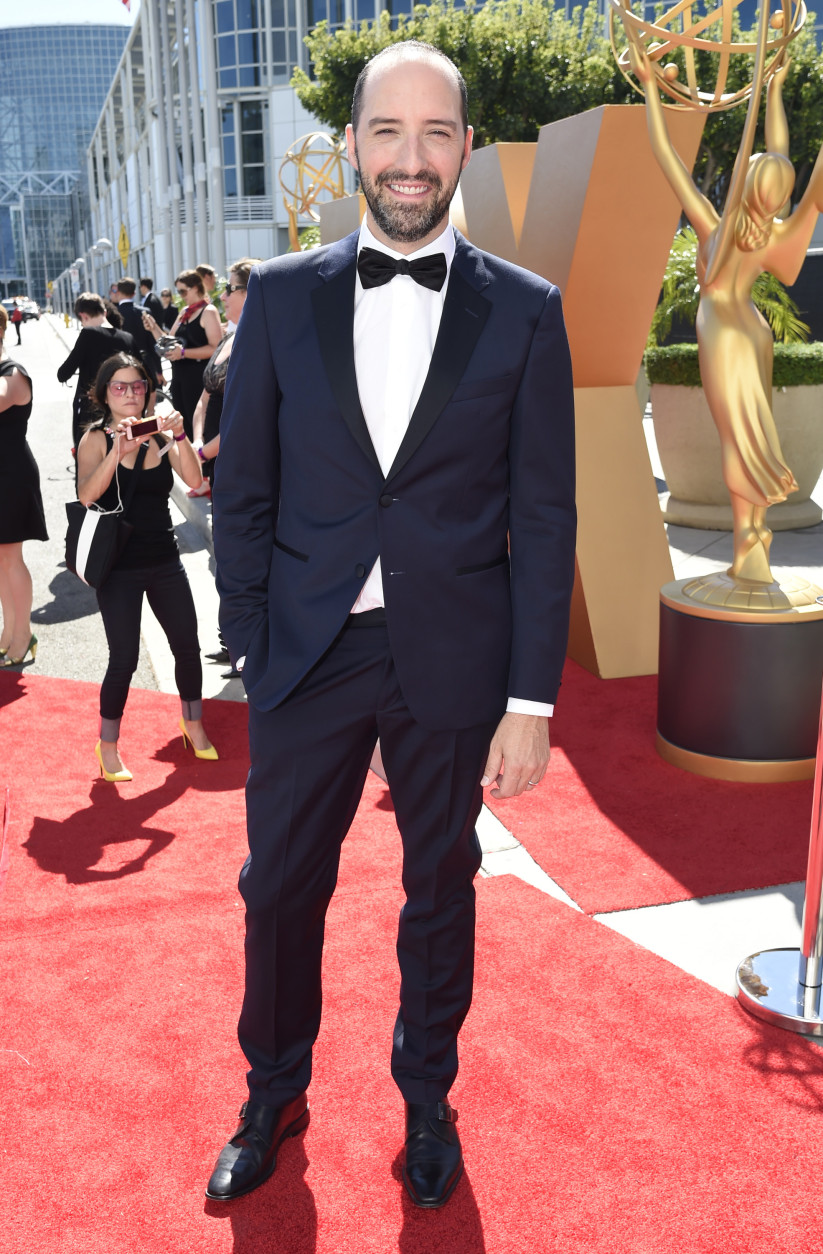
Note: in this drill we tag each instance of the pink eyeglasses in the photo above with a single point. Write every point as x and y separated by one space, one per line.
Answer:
138 388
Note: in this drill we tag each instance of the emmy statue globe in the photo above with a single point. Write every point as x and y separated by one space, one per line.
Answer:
311 171
741 654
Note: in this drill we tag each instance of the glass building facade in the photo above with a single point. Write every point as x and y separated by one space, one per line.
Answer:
53 81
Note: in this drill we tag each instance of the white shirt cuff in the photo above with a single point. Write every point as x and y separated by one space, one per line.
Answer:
515 705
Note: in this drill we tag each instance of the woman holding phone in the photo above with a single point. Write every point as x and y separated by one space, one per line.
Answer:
149 563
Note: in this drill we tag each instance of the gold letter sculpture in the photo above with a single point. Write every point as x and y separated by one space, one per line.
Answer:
735 345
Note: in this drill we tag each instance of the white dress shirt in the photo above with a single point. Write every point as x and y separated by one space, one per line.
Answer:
395 327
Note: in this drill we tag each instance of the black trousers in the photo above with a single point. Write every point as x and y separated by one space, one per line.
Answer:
309 759
121 603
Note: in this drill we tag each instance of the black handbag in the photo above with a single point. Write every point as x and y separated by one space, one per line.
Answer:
95 537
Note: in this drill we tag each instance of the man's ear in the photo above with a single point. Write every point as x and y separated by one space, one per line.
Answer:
350 148
467 147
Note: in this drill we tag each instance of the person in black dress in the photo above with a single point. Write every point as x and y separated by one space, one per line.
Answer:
97 341
170 310
150 561
210 406
200 330
21 509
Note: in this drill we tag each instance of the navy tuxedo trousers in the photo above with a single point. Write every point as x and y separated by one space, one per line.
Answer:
309 760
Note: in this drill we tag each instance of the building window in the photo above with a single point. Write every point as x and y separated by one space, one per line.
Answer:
284 56
240 43
243 126
253 144
229 149
331 11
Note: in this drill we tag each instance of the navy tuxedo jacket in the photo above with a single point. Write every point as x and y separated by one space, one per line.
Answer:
474 523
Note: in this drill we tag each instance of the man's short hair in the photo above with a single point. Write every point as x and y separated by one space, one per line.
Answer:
126 287
89 303
408 50
149 283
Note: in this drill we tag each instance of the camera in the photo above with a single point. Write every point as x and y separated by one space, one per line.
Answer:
148 427
166 343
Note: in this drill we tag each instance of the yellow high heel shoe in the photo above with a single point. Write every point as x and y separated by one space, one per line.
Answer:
210 754
31 648
113 777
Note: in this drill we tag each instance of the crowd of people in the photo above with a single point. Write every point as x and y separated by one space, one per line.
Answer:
118 361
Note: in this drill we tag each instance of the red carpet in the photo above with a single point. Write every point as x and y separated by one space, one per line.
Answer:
608 1101
617 827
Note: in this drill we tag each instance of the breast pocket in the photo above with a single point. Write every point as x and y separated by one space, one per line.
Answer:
477 389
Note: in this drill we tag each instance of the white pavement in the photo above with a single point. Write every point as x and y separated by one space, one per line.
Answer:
708 936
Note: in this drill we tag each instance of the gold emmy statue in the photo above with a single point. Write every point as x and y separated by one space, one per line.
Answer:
311 171
754 233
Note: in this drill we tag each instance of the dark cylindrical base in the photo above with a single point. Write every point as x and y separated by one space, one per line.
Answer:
736 694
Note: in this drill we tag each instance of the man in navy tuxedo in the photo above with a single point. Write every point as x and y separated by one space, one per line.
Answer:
394 528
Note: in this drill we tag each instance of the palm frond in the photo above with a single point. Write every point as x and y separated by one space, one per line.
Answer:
680 297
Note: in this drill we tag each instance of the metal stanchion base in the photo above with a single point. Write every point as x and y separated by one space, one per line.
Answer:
769 988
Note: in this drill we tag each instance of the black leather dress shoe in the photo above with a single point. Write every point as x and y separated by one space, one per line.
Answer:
434 1161
251 1155
220 655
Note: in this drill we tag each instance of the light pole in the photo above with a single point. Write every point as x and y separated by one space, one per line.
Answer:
98 247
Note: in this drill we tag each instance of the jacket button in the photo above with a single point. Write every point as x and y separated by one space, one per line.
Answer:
386 501
360 570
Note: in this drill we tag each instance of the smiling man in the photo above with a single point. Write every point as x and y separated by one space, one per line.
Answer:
394 529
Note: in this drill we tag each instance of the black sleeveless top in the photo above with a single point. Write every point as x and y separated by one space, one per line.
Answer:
153 540
21 505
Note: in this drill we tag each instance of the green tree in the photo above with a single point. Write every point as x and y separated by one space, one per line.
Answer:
526 63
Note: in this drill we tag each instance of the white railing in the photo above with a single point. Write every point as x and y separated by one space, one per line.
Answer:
235 209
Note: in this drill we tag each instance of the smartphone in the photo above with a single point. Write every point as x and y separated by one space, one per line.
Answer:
148 427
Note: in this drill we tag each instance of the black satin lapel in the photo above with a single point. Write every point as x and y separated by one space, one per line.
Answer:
333 305
464 315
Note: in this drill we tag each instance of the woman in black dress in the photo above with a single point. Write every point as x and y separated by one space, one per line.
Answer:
97 341
199 328
150 561
169 315
210 405
21 509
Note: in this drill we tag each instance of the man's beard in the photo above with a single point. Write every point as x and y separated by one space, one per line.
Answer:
407 223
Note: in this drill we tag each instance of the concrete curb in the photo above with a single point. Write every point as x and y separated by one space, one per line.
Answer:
196 510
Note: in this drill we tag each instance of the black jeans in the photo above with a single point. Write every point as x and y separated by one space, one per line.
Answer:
121 602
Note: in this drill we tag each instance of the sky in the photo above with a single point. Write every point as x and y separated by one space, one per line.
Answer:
66 12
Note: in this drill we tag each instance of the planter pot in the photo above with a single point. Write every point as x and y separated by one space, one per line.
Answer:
689 449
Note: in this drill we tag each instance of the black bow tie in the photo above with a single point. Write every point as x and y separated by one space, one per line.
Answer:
376 268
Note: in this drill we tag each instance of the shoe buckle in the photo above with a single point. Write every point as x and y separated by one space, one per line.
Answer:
446 1113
